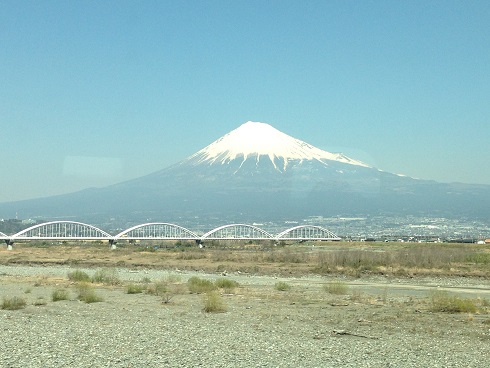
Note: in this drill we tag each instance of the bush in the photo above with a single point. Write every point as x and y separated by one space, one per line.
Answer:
135 288
336 287
441 301
213 303
107 276
87 294
13 303
226 284
199 286
78 276
60 294
282 286
158 288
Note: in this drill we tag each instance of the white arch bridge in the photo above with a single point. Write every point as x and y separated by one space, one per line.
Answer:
71 230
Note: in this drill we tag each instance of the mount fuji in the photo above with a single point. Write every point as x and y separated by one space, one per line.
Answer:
256 171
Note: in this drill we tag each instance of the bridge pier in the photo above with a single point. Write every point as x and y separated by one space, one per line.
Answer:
112 242
9 243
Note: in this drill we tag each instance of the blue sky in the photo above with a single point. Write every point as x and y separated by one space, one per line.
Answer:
97 92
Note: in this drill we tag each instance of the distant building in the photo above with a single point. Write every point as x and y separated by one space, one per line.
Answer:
487 241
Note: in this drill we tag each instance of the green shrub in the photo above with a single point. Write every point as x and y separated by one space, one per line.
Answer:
173 278
107 276
158 288
60 294
441 301
282 286
227 284
336 287
87 294
13 303
213 303
135 288
166 289
78 276
199 286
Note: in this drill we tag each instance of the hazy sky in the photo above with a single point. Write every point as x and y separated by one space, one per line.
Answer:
96 92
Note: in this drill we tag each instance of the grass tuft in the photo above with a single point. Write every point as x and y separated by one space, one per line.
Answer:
13 303
282 286
336 287
227 285
197 285
78 276
442 301
87 294
166 289
60 294
106 276
213 303
159 288
135 288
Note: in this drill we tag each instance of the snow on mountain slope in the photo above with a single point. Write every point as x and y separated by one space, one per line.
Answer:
253 140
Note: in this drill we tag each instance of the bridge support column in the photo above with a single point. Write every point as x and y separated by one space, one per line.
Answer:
112 242
9 243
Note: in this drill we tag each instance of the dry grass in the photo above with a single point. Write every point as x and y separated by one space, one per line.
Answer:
13 303
336 287
282 286
60 294
441 301
197 285
213 303
87 293
78 276
167 288
352 259
106 276
228 285
135 288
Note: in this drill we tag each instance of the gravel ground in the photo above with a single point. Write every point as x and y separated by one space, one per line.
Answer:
379 323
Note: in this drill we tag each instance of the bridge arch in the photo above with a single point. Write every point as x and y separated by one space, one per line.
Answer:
157 230
62 229
237 231
2 235
307 232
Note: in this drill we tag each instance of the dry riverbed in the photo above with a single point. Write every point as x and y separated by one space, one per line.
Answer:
317 321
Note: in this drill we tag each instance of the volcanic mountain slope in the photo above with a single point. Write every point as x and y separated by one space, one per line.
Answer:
256 170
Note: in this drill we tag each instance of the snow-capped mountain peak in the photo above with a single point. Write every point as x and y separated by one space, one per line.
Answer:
252 140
